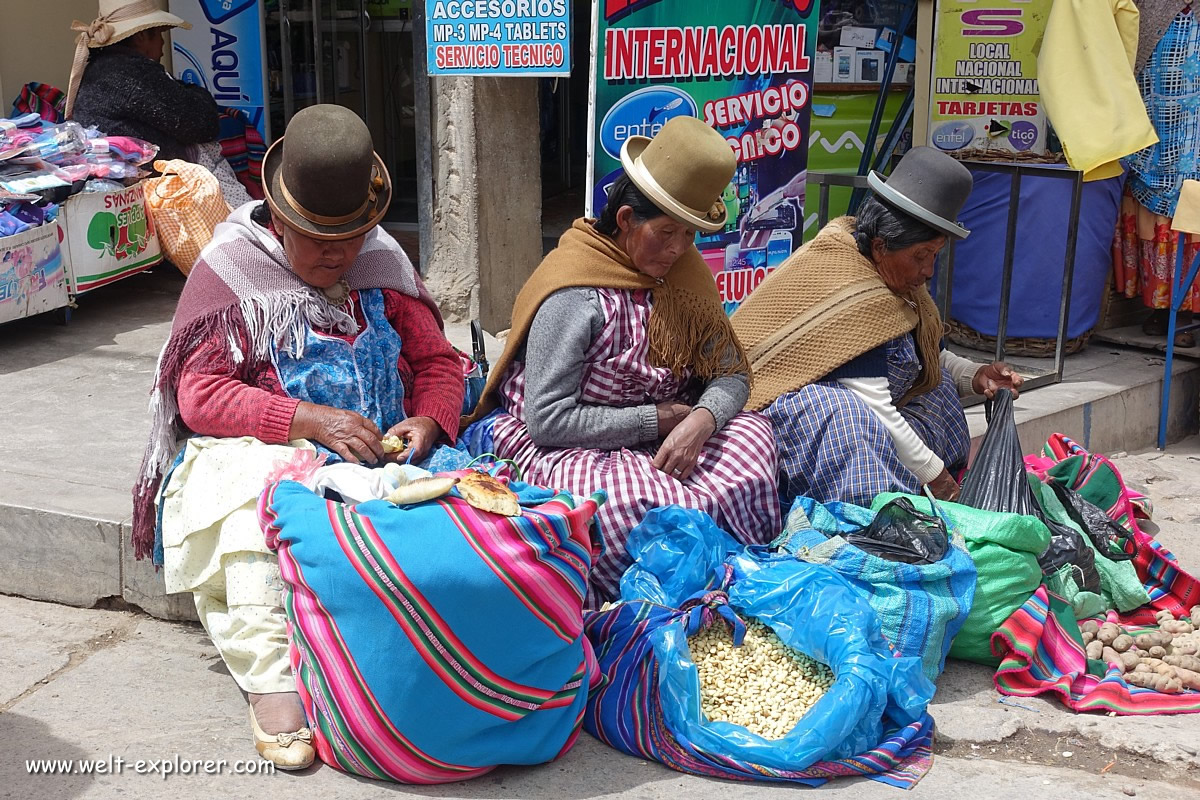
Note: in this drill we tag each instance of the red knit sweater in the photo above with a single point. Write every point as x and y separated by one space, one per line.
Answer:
215 401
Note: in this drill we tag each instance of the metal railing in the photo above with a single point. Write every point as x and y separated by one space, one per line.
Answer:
945 273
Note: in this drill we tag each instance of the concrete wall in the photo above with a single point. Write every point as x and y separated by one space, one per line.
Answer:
487 185
36 43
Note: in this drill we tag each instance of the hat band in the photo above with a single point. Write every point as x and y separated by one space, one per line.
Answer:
319 219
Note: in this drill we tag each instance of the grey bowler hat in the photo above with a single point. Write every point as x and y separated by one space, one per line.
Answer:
929 185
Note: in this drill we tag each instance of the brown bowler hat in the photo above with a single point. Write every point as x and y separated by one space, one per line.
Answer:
683 170
323 177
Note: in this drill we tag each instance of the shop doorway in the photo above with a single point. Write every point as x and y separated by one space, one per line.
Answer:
358 54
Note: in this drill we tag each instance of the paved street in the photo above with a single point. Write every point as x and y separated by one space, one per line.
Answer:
107 684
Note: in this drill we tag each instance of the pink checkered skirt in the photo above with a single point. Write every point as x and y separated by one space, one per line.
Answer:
734 480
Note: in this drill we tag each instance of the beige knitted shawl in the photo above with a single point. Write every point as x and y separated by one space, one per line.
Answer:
826 305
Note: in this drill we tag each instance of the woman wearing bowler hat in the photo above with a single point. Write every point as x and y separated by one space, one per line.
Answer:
303 326
845 344
622 372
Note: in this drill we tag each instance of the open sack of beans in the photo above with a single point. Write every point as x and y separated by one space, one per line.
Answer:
736 663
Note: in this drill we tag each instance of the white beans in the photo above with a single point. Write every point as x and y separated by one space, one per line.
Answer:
764 685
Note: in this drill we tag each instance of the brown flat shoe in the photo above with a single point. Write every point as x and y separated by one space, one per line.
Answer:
288 751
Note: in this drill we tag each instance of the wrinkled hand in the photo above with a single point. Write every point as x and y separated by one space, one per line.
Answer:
349 434
422 434
990 378
944 487
670 414
679 452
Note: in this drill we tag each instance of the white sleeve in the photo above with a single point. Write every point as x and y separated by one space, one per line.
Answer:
913 452
962 370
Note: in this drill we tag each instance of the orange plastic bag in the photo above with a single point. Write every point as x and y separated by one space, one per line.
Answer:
187 204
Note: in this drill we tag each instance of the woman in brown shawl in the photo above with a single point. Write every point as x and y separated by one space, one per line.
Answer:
845 345
622 372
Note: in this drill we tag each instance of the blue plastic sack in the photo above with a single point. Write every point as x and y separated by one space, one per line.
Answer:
921 607
687 575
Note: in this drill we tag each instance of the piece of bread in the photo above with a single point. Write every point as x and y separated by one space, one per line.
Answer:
420 490
488 494
393 444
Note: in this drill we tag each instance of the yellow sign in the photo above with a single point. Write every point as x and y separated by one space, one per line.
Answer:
985 97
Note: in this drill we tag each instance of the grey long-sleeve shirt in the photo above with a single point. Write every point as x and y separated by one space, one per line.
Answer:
561 334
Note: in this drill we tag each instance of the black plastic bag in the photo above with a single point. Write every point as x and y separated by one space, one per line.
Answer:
997 482
900 532
1106 534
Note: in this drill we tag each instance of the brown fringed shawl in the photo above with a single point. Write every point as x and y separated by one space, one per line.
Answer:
243 284
823 307
688 325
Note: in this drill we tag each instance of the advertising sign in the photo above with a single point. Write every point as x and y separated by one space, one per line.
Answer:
33 278
223 52
743 67
985 96
499 37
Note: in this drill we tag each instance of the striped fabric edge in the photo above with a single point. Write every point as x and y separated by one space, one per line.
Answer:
555 602
1039 657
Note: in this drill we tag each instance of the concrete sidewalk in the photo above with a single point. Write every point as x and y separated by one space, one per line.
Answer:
92 684
73 400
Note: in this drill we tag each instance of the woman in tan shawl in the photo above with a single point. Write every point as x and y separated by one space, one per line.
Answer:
622 372
845 345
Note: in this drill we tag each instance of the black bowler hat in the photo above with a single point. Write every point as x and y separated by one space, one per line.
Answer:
323 177
929 185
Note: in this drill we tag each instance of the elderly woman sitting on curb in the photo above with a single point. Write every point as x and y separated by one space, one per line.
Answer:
845 344
302 323
622 372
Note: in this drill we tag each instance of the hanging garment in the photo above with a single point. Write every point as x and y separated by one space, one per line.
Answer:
1085 72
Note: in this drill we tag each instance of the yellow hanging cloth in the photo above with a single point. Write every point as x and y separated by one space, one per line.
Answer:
1085 73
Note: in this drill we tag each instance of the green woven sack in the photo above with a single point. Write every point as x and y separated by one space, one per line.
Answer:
1005 548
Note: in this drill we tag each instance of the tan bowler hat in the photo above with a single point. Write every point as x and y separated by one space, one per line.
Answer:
683 170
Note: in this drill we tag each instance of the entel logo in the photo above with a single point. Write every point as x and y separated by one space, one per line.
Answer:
954 135
643 113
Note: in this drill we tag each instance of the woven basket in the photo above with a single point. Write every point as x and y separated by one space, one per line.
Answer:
1030 346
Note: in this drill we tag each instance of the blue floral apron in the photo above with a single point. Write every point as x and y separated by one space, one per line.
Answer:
356 376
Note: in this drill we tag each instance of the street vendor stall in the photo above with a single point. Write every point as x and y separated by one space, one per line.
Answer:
72 213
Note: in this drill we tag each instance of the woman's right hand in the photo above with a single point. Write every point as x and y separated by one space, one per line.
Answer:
349 434
944 487
670 414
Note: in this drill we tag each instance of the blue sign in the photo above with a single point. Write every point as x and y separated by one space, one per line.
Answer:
223 52
499 37
643 113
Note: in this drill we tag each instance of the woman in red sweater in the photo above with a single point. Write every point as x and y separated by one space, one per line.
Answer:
302 323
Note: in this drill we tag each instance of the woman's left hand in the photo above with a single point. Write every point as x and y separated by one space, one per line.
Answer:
421 432
679 452
990 378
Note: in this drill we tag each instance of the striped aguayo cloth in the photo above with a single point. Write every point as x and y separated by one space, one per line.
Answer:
431 643
1042 653
1040 645
1099 481
627 713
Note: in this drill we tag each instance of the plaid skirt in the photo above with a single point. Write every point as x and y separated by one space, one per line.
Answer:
833 447
734 481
